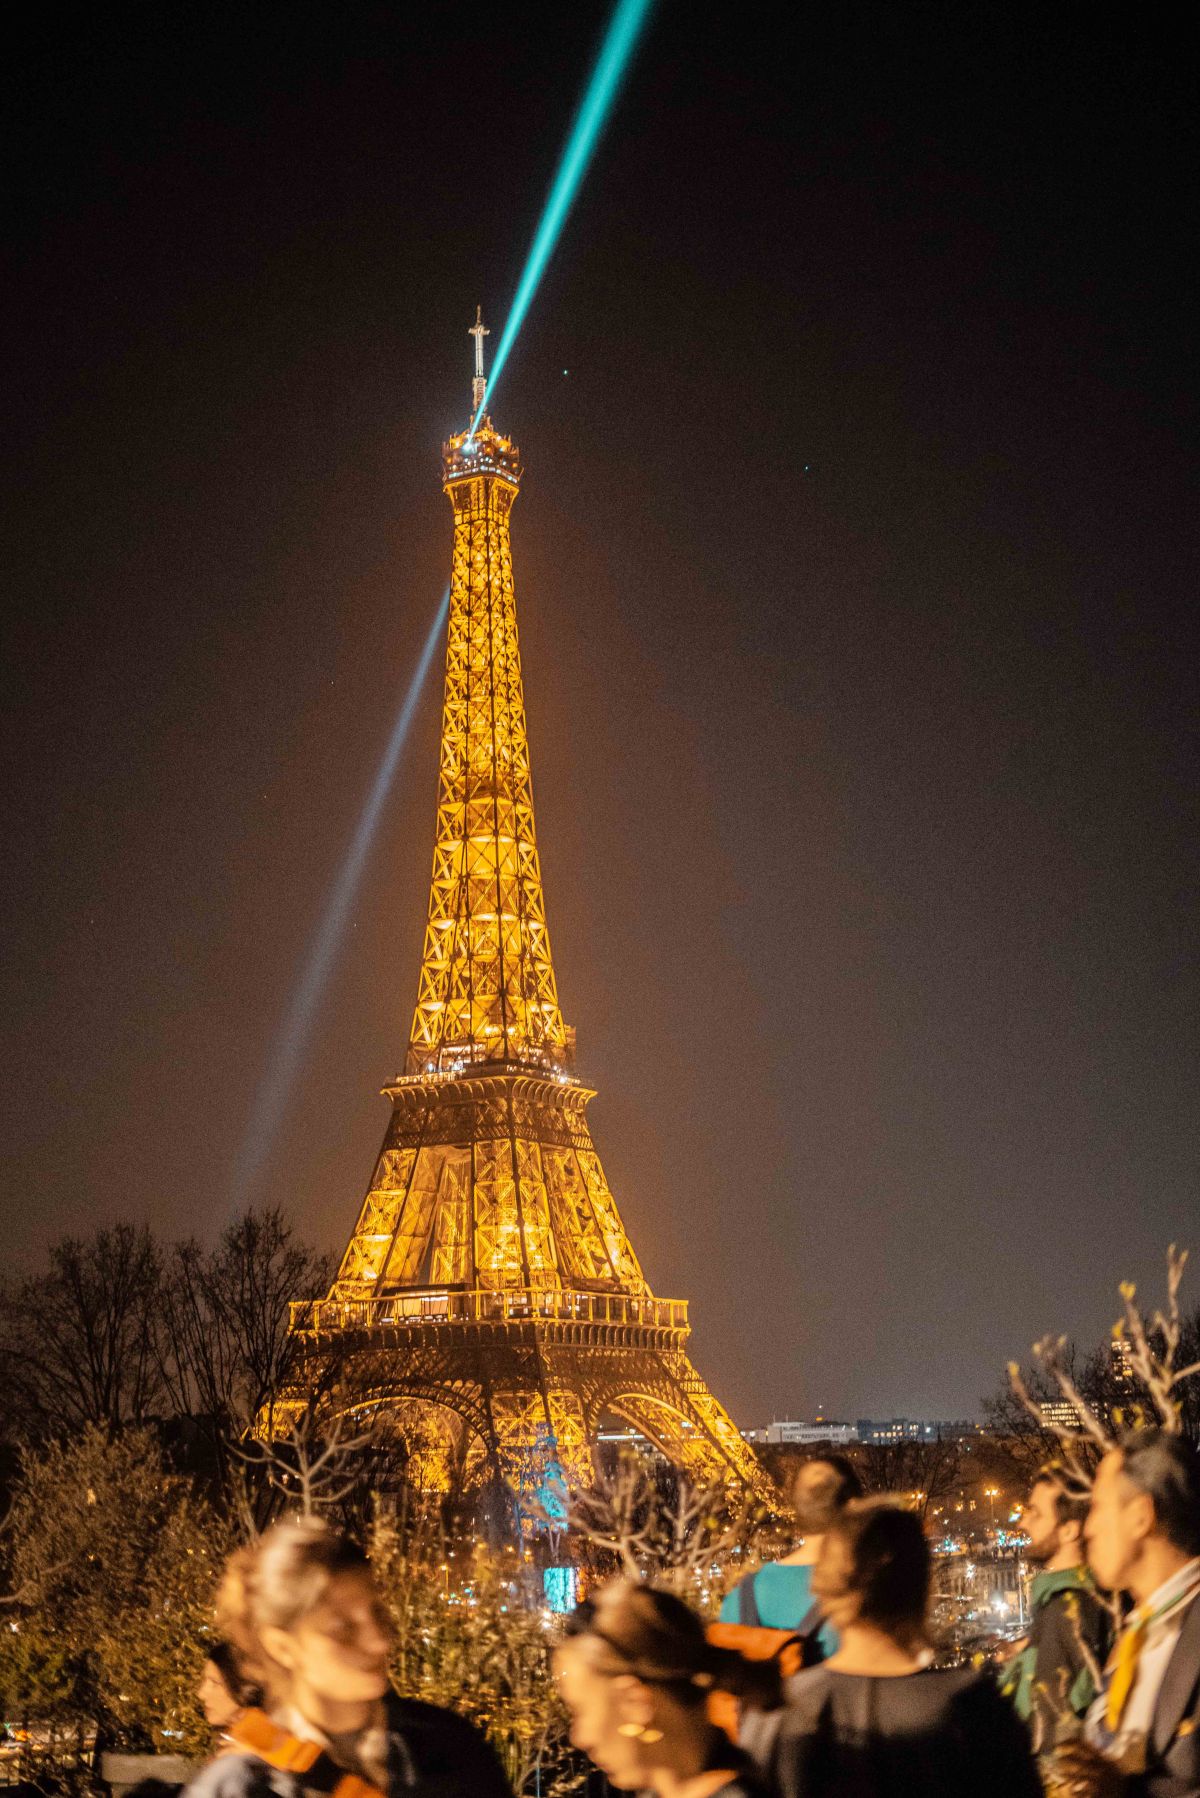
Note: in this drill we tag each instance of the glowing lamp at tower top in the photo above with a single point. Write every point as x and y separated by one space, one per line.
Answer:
483 452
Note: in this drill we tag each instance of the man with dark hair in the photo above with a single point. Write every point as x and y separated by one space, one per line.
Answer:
1053 1679
779 1595
1143 1538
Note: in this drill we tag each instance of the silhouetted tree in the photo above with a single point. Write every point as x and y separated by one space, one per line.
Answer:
121 1332
223 1336
79 1343
1145 1374
922 1474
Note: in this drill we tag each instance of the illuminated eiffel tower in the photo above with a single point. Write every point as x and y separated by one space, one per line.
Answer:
489 1300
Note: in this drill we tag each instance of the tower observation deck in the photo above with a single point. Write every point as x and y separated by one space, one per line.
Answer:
489 1301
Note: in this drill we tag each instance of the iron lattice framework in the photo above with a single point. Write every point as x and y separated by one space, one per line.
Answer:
489 1300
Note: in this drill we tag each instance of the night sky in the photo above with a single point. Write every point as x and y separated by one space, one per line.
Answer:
855 566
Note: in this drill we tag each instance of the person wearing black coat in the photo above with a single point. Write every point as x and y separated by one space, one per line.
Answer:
877 1720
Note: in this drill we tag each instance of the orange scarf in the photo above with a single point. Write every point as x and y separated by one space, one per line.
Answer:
293 1754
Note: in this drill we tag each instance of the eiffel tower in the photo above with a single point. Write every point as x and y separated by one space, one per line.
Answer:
489 1301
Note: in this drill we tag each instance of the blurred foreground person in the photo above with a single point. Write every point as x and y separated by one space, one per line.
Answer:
305 1619
223 1693
1054 1677
780 1594
876 1720
635 1671
1143 1538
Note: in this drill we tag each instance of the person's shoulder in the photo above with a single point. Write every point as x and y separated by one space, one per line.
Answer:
952 1688
805 1694
951 1680
408 1715
975 1701
745 1783
785 1577
1080 1591
442 1741
1070 1611
961 1683
921 1698
237 1775
991 1736
728 1612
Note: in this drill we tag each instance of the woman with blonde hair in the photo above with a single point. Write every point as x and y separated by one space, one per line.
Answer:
308 1624
635 1671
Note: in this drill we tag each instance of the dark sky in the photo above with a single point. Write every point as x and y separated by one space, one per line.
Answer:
855 564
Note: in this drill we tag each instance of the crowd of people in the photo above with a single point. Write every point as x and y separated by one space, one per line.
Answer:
819 1681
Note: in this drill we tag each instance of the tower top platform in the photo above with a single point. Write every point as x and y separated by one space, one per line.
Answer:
481 452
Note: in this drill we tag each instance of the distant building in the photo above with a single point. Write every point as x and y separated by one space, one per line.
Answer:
799 1434
618 1439
884 1432
821 1429
1122 1359
1060 1414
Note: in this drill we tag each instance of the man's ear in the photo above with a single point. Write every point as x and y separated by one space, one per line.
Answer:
634 1702
1071 1534
279 1646
1142 1518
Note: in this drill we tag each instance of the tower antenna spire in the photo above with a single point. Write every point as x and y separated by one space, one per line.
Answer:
479 385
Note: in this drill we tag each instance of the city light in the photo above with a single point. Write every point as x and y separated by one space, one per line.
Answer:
620 40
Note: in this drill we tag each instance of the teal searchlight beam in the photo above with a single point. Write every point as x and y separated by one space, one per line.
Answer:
620 41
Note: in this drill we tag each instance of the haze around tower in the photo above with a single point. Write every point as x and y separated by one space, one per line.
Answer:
857 587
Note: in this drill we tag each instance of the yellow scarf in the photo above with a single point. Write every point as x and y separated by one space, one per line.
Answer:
1125 1656
1125 1659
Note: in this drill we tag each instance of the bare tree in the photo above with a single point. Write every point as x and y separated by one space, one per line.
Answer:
1138 1382
310 1468
1154 1347
330 1452
1008 1416
225 1316
923 1472
118 1332
666 1530
79 1343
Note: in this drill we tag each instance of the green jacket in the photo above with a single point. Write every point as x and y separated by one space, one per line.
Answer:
1053 1680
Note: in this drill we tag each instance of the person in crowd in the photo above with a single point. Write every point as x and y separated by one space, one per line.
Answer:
306 1620
223 1693
1142 1737
635 1671
876 1720
779 1595
1053 1679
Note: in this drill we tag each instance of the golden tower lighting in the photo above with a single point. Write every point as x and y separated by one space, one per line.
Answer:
489 1300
